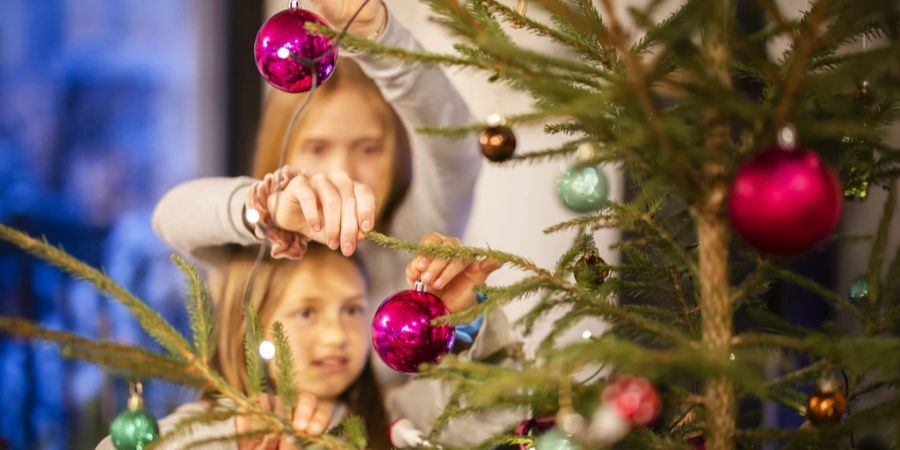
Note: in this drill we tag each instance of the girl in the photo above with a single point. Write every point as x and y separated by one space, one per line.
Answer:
355 168
322 301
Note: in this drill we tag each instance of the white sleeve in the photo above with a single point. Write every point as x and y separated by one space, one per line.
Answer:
444 169
199 218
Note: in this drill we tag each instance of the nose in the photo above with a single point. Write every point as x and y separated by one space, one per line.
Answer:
331 332
341 161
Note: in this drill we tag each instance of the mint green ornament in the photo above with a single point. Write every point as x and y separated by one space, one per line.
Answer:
555 439
583 188
136 428
859 289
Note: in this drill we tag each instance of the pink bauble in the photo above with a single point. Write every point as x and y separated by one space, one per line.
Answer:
281 43
634 398
785 202
402 332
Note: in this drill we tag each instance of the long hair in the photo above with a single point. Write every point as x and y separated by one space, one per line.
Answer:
280 107
363 397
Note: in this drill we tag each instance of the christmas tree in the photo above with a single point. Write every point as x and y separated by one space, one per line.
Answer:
739 162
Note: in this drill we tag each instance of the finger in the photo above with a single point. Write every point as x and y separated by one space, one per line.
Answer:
349 220
320 419
437 266
424 261
330 200
309 204
306 406
412 272
365 206
454 268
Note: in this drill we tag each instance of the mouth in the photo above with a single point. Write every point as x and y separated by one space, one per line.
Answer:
331 364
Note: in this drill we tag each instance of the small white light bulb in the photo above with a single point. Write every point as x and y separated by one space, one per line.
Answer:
586 334
252 216
267 350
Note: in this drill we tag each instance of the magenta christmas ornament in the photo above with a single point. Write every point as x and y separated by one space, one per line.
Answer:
287 54
402 333
785 201
634 398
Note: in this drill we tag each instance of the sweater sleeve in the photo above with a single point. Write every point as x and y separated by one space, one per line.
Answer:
444 169
199 217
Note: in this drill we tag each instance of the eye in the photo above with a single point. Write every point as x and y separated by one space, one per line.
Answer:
370 149
318 149
304 313
355 310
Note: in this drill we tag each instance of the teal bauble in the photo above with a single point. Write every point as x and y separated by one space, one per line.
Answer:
555 439
859 289
583 188
133 430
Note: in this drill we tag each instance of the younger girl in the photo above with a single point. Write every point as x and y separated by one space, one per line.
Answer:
322 301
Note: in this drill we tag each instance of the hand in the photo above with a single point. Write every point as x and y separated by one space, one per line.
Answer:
451 280
328 208
310 415
338 12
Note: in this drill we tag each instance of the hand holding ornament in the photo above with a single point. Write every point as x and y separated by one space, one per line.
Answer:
310 416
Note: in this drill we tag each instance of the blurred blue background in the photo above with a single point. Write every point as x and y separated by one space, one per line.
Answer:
104 104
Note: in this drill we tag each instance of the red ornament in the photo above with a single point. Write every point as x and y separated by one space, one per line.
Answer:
534 427
403 335
785 201
634 398
282 45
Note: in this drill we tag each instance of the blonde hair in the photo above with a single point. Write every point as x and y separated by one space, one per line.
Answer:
280 107
228 291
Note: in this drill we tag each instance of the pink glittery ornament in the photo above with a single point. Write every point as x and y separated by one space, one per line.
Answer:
402 332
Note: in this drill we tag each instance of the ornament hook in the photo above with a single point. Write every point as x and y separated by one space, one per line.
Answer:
420 286
294 5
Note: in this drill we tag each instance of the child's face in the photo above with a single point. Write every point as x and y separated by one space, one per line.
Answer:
346 134
324 312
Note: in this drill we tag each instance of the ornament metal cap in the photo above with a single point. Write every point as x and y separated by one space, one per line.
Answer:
420 286
294 5
787 137
135 398
495 120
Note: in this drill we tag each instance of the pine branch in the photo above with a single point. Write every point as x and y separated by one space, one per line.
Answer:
185 427
284 369
149 319
454 252
135 362
826 294
199 308
253 337
353 430
876 255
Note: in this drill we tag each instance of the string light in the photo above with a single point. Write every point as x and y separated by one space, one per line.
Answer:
267 350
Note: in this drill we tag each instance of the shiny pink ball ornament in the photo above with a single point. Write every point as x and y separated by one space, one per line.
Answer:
785 201
403 335
286 52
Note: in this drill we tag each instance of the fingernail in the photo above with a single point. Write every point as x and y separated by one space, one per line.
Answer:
427 276
422 265
301 425
367 225
348 248
438 284
333 244
317 227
